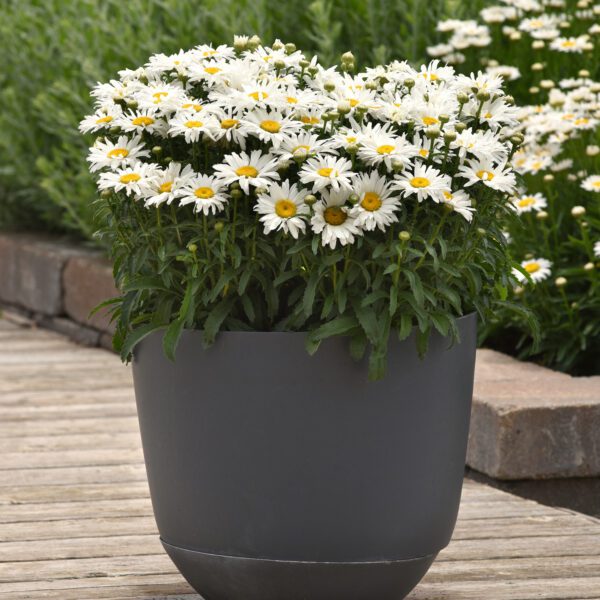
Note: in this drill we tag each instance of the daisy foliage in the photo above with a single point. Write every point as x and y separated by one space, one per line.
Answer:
250 188
548 53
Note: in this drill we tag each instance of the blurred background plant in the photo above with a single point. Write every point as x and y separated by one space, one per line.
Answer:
550 55
53 51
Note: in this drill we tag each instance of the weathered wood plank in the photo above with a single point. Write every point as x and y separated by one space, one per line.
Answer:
70 458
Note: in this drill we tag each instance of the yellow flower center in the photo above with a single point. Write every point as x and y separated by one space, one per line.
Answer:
353 102
310 120
258 95
285 209
158 96
334 215
568 116
568 44
420 182
301 149
429 121
166 187
204 193
270 126
209 53
536 23
488 115
371 201
351 139
424 153
327 172
532 267
106 119
247 171
385 149
129 178
596 183
142 121
193 105
485 175
536 165
212 70
582 121
292 100
228 123
524 202
193 124
118 153
447 196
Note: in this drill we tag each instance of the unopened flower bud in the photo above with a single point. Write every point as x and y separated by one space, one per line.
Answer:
404 236
432 132
290 48
353 199
168 159
538 44
260 191
105 194
192 247
348 58
584 73
509 99
578 211
537 66
518 290
443 118
219 226
542 215
549 177
344 107
277 45
534 89
483 95
560 282
157 150
397 165
450 136
329 86
574 305
279 64
409 83
236 194
132 103
309 200
303 63
460 127
592 150
462 98
481 231
254 42
589 266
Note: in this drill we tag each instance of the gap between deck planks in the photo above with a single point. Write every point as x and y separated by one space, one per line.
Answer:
76 520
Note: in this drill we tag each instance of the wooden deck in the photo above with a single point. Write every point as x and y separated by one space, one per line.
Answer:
76 521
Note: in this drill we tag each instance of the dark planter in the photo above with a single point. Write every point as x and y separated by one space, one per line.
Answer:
279 476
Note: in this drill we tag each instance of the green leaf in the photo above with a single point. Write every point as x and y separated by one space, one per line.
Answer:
405 328
135 337
215 319
309 293
171 338
416 286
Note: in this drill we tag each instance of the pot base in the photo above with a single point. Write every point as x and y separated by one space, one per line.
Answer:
217 577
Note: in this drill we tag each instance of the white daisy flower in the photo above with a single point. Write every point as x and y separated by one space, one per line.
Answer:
386 149
497 177
141 120
165 97
271 126
460 203
570 44
193 127
282 209
597 249
168 184
424 182
256 169
377 205
537 268
103 118
302 146
591 183
121 153
133 180
206 192
333 220
529 203
229 127
328 171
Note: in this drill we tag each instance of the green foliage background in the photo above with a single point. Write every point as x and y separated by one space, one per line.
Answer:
54 51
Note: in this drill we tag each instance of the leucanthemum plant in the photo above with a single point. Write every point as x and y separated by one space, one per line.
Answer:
249 188
549 56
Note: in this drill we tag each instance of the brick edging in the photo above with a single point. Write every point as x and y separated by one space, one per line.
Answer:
527 422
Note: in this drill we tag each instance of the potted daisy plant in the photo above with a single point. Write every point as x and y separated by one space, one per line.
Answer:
302 252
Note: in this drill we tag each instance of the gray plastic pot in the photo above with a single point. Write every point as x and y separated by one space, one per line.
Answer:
279 476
